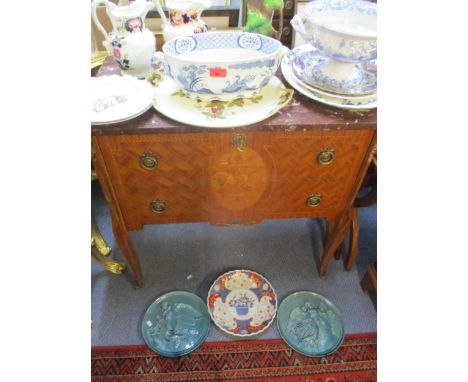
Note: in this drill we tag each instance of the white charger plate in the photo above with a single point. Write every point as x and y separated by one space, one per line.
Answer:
342 102
171 101
118 98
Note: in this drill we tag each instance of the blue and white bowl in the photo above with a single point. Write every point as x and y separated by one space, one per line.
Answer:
344 31
222 65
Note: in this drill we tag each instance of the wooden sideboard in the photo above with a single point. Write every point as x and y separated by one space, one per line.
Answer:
307 161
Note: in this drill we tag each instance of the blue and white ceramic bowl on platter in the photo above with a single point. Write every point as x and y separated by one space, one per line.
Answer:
310 324
345 31
176 324
222 65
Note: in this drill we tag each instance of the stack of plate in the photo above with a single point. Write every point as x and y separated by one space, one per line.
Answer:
118 98
301 68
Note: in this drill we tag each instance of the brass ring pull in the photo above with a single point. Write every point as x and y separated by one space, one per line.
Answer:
158 206
314 200
326 156
148 161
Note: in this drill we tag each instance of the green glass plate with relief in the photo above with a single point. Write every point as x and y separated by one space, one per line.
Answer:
310 324
171 101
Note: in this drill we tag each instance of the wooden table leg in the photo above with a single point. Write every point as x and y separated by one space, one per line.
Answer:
354 240
125 244
334 241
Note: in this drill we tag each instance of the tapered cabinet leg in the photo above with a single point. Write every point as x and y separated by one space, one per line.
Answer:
331 225
354 240
125 244
334 241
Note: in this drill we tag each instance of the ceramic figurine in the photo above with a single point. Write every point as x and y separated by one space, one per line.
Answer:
184 17
130 43
260 16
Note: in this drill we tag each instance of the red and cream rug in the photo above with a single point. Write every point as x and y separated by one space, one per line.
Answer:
260 360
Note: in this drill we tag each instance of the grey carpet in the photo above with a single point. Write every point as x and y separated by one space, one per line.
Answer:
191 256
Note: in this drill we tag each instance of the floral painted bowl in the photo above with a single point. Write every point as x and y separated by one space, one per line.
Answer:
242 303
222 65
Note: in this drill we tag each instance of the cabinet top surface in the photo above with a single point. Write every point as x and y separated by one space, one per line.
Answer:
300 114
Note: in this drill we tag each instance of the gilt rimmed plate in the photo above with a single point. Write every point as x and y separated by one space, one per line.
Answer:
349 103
310 324
118 98
242 303
176 324
171 101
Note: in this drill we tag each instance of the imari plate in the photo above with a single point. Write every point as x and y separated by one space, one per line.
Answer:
310 324
242 303
176 324
171 101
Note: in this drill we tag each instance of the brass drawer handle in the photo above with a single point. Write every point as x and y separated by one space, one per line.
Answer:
148 161
314 200
158 206
289 5
326 155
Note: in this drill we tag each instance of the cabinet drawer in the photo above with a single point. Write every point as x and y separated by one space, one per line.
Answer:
228 176
164 167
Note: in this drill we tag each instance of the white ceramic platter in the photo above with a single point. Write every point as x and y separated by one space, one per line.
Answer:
118 98
171 101
342 102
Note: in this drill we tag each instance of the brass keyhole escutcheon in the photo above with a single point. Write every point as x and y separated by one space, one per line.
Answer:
239 141
326 156
148 161
314 200
158 206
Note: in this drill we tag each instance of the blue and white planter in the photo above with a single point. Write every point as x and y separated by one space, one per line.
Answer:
345 31
231 65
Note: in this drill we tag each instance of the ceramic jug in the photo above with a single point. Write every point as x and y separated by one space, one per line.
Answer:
130 43
184 17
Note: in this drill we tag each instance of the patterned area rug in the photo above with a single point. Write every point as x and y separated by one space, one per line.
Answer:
261 360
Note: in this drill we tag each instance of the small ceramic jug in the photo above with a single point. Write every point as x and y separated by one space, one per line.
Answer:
184 17
130 43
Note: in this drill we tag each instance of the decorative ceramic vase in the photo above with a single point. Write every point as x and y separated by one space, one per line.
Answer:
345 32
184 17
130 43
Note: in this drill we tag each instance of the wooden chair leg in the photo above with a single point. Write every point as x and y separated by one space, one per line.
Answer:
354 240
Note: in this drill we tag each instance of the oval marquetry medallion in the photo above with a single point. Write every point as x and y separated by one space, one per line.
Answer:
238 179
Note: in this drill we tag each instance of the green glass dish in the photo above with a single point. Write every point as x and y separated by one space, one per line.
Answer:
176 324
310 324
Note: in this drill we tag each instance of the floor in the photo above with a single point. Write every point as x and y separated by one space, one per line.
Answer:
191 256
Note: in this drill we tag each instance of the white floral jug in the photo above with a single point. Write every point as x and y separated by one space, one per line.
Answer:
130 43
184 17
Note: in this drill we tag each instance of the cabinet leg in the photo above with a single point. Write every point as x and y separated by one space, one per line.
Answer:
354 240
369 281
125 244
333 243
331 225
